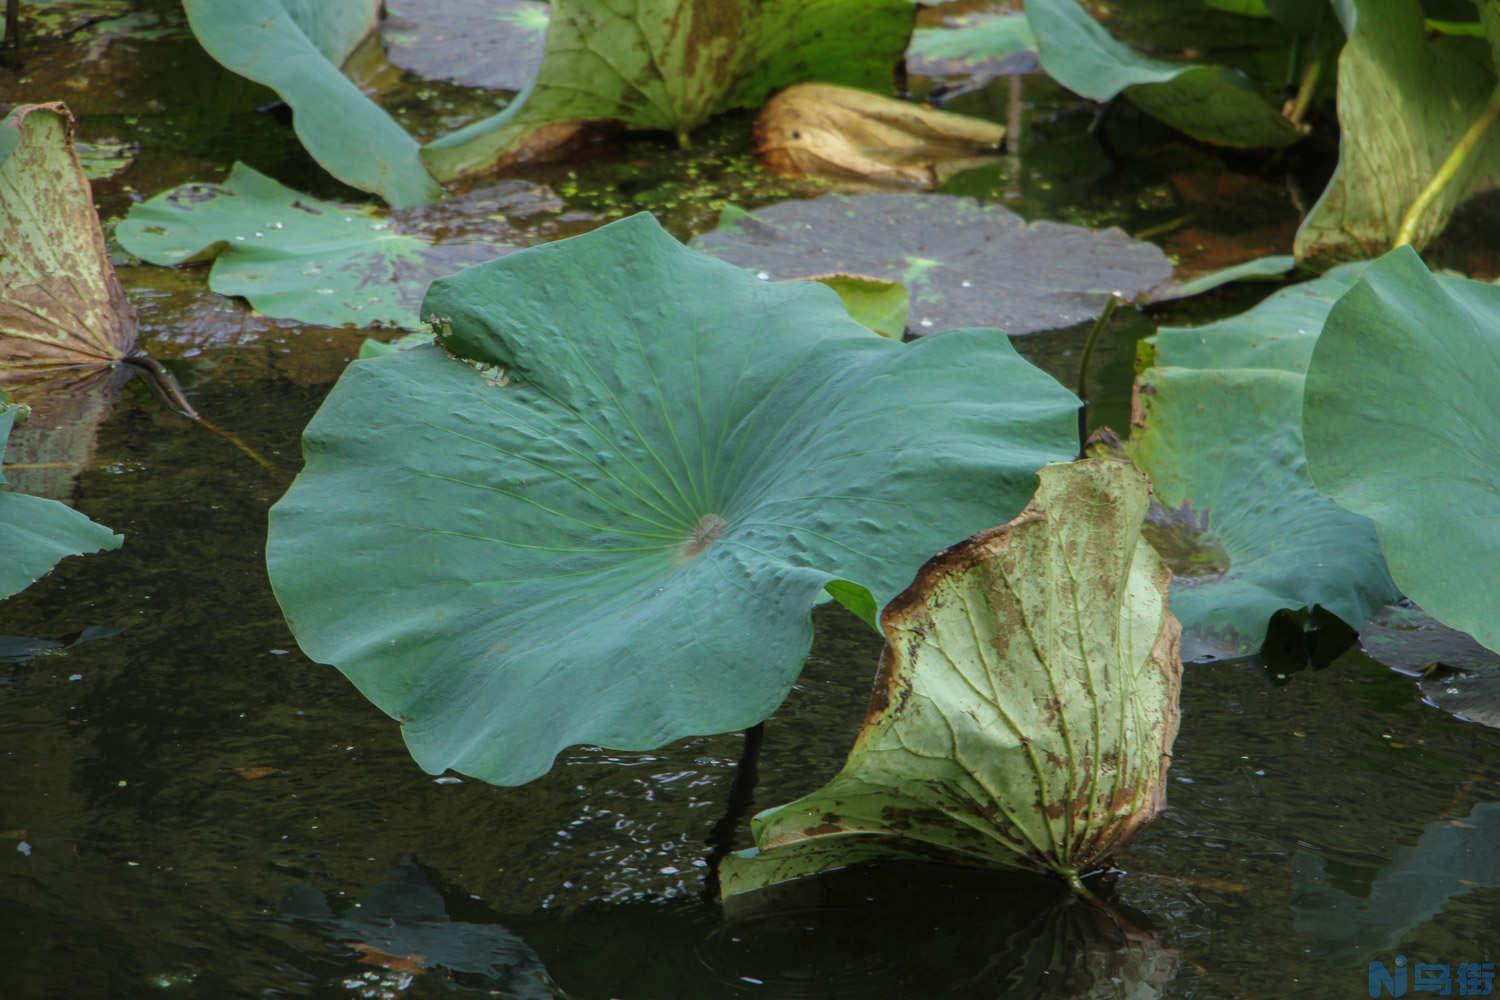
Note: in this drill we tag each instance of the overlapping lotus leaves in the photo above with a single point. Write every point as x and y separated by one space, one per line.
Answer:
1404 104
669 65
610 525
964 262
35 533
495 44
295 47
1400 418
1212 103
293 256
1026 703
1219 431
60 304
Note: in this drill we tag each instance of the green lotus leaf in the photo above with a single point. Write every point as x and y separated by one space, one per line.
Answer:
294 256
979 47
295 47
609 524
1212 103
1237 516
964 262
60 304
876 303
1399 416
35 533
496 44
671 65
1404 104
1026 703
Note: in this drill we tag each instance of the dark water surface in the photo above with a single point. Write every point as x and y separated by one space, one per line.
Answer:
189 807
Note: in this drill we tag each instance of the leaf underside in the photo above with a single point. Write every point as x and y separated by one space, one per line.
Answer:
1026 704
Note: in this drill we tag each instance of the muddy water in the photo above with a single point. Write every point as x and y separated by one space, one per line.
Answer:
189 807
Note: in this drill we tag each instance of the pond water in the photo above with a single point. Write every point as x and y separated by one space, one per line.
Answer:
189 807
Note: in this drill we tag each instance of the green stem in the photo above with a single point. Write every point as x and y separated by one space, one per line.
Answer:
1407 232
1083 369
1311 74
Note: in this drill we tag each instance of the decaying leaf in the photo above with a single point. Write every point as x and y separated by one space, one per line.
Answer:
819 128
60 304
1026 703
966 263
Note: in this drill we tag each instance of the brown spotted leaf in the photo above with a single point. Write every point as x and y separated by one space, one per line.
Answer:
60 304
1026 703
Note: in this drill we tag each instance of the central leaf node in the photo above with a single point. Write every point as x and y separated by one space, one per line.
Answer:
708 528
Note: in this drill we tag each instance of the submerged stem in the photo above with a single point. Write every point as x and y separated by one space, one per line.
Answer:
13 30
1448 170
165 384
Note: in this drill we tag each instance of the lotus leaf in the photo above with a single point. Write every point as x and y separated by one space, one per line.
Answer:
880 305
295 47
60 304
1404 104
293 256
1026 703
608 525
977 46
1399 417
1211 103
35 533
1456 673
495 44
1222 442
964 262
669 65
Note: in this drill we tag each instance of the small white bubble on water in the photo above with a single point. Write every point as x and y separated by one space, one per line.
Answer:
277 652
24 849
447 779
75 677
926 322
763 275
967 283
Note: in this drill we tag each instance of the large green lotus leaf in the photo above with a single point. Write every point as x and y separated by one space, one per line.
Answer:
35 533
1026 703
60 304
1238 516
295 47
609 527
673 64
1401 427
1403 104
963 262
294 256
1211 103
496 44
